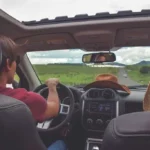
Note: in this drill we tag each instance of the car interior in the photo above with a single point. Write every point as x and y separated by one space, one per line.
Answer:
123 125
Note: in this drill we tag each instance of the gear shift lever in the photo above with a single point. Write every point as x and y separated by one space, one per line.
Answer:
95 148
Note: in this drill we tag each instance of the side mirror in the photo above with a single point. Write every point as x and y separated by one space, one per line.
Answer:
99 57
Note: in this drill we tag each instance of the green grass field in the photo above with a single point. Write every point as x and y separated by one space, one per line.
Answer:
134 74
71 74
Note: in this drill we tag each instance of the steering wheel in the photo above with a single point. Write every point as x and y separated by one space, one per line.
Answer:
66 110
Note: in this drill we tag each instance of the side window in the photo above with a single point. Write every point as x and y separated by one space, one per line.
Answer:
17 78
15 83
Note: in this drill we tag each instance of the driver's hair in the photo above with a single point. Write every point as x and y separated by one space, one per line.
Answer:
8 48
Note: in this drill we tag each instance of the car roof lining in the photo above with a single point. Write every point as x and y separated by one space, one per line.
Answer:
89 35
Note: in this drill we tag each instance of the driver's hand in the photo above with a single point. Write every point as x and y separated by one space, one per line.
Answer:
52 82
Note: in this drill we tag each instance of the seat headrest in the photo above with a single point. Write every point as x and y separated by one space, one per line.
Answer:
128 132
17 127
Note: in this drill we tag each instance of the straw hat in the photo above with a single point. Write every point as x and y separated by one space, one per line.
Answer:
107 81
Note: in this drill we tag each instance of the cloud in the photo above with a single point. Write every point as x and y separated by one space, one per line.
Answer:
46 61
76 53
56 56
130 55
133 55
26 10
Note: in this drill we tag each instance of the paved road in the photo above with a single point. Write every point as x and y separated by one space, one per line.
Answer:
126 81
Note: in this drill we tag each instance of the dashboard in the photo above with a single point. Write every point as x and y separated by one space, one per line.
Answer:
98 106
96 93
95 108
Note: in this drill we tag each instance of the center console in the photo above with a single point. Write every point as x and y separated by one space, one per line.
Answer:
97 112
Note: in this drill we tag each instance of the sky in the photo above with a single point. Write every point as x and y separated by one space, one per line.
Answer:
27 10
128 56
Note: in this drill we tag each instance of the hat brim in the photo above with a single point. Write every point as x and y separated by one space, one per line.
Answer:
107 84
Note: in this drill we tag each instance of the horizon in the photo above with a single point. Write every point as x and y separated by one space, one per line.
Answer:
125 55
89 64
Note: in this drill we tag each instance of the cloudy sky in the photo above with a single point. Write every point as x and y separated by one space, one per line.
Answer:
26 10
124 55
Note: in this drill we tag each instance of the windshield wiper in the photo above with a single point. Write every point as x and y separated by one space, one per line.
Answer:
137 86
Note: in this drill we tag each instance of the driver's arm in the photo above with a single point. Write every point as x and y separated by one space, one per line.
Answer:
52 100
40 108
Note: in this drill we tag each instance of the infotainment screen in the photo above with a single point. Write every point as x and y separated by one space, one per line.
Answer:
105 108
101 107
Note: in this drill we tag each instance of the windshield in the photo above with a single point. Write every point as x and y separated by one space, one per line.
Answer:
26 10
132 66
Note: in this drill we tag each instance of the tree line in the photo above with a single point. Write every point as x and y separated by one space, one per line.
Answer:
145 69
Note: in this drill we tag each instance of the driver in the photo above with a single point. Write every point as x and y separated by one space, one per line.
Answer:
100 58
40 108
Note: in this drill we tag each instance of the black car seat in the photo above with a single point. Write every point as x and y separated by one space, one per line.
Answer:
17 126
128 132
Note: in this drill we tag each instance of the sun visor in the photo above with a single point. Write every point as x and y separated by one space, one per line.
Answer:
133 37
47 42
95 40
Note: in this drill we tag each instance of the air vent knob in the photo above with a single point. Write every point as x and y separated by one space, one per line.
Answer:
89 121
99 122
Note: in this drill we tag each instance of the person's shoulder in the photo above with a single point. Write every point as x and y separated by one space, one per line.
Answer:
11 90
27 94
18 90
36 96
19 93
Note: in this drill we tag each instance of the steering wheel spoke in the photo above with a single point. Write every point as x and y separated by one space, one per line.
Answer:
45 125
64 109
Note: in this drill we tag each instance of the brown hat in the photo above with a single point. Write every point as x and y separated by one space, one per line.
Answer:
107 81
146 102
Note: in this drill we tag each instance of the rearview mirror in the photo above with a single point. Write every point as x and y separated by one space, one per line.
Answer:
99 57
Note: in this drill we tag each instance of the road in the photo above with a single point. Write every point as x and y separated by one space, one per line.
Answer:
126 81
